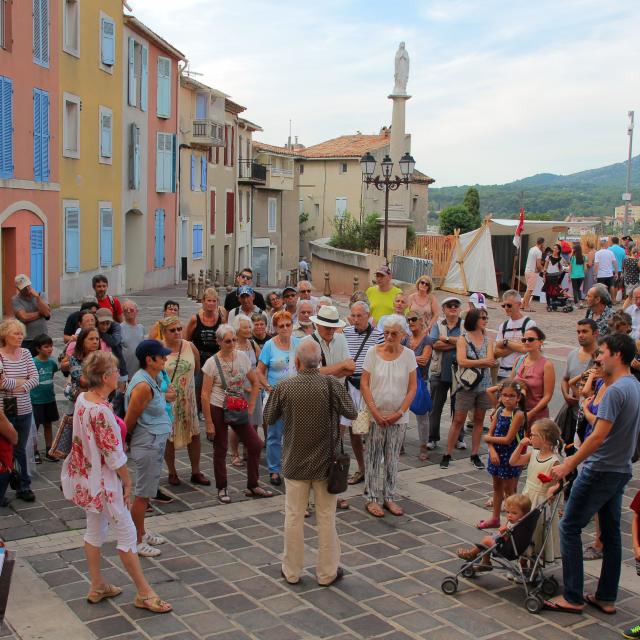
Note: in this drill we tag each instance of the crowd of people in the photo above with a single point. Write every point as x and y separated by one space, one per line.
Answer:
286 373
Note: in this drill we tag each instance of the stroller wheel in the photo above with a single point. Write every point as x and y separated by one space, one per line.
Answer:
549 308
568 309
449 586
549 587
468 572
533 604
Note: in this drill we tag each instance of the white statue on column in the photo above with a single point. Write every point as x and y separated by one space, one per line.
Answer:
401 74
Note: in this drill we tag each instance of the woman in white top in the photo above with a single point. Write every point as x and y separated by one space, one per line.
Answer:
388 385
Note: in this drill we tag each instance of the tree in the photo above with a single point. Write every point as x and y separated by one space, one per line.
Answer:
303 219
472 203
356 236
457 217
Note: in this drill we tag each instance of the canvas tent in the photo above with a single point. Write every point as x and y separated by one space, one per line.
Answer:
472 266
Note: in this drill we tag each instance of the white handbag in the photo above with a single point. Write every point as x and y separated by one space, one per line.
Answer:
360 426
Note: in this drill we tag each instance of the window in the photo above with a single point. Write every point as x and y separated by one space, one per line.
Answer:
165 163
158 258
71 27
144 77
40 135
134 156
137 74
72 239
193 172
230 212
316 210
212 213
201 106
41 32
343 167
301 206
301 169
107 41
71 126
106 236
6 128
196 241
5 25
229 145
203 173
164 87
341 208
106 134
272 205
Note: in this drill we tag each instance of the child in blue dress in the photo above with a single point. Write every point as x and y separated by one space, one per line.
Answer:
507 428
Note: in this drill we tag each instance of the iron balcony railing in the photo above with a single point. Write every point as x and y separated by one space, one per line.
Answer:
251 170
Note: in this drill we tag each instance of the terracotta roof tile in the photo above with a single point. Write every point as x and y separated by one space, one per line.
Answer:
354 146
263 146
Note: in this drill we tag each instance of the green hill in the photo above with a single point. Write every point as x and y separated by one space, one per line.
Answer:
594 192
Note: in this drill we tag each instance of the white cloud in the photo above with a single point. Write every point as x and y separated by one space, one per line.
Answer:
500 89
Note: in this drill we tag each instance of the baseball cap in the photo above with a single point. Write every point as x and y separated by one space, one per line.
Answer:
478 300
384 270
22 281
245 290
451 299
151 348
103 314
289 289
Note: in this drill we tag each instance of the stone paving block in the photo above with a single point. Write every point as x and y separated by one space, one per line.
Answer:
207 623
216 558
418 528
108 627
274 519
354 559
432 601
445 633
234 603
236 634
333 603
597 632
402 540
431 517
430 553
255 556
255 620
411 506
379 572
279 633
174 589
47 562
405 563
369 626
73 590
196 548
131 611
60 577
180 563
160 626
185 606
549 632
471 621
257 531
445 539
358 588
260 587
389 605
241 523
215 589
406 587
378 550
509 614
274 544
232 541
180 536
235 571
376 528
282 603
444 485
416 621
86 611
312 622
196 576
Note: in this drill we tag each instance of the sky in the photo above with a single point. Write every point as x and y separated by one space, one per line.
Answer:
501 89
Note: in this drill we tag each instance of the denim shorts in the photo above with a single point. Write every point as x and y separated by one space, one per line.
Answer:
467 400
147 454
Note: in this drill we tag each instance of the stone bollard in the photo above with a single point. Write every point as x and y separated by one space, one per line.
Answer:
190 286
225 282
210 275
327 286
294 277
257 278
200 291
356 282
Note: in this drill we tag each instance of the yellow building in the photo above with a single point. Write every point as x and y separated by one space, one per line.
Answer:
91 102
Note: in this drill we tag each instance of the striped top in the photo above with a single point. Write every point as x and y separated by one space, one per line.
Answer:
354 341
24 367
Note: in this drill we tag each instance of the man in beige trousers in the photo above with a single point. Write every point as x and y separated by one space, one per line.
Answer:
309 423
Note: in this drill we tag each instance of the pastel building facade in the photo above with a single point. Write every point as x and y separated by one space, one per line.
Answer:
29 137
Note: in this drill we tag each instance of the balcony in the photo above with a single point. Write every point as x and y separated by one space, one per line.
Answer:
207 133
251 172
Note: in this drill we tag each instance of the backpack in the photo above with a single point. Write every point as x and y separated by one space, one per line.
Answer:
523 328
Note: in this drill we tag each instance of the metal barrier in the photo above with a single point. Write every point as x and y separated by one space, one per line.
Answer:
409 268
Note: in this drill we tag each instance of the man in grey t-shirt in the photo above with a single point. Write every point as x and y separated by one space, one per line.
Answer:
31 308
606 469
132 335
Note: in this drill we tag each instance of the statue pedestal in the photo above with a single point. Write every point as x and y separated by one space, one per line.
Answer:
398 146
397 234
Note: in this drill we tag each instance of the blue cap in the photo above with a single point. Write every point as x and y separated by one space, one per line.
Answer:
245 290
151 348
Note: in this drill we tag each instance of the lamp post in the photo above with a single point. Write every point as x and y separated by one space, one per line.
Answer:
386 183
626 196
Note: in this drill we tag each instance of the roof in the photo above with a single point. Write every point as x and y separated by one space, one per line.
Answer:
250 126
233 107
354 146
189 82
142 29
418 176
270 148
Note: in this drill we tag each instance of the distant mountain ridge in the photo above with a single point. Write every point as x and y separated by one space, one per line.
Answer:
594 192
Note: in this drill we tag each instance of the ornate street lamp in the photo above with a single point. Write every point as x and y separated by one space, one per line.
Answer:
386 183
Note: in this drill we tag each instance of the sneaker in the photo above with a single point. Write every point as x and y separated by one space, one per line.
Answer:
27 495
476 462
444 463
431 445
50 458
162 497
633 632
37 458
461 444
153 538
147 551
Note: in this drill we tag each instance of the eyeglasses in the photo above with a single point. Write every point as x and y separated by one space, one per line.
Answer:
529 340
484 317
424 282
174 329
305 290
230 340
506 305
413 319
246 276
284 325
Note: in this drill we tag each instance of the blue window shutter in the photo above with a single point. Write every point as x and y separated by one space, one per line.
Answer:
72 239
108 41
203 173
6 128
134 156
106 122
37 135
196 243
41 32
193 172
37 257
44 133
159 239
174 169
106 237
164 88
159 162
144 77
131 70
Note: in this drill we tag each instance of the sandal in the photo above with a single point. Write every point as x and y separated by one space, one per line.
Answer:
375 509
108 591
393 508
200 478
342 504
356 478
174 480
488 524
152 603
424 453
258 492
237 461
223 496
591 553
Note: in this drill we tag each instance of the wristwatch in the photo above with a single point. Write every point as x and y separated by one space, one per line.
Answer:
505 342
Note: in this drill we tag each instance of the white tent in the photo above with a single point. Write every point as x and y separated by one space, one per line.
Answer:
472 267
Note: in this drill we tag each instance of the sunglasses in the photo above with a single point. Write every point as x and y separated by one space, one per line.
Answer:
452 305
174 329
425 283
230 340
246 276
284 325
506 305
484 317
529 340
413 319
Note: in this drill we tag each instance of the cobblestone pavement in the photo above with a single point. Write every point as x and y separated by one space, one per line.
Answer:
220 568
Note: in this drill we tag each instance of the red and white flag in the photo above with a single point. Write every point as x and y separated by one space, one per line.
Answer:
519 228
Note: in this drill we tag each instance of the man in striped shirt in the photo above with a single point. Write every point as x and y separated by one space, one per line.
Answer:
360 336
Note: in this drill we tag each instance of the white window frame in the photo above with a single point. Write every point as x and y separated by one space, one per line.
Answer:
70 204
105 204
272 228
104 111
340 214
66 46
343 167
66 151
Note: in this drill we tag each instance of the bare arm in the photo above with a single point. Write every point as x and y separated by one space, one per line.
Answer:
190 328
519 459
339 369
255 388
196 356
7 430
635 534
261 372
207 385
514 427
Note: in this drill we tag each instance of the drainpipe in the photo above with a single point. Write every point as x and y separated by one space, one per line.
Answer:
178 266
178 278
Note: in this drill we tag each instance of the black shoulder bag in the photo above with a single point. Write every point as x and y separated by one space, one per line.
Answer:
339 465
355 378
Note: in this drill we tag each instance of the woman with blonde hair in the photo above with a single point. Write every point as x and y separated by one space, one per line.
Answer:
95 477
424 302
19 376
181 366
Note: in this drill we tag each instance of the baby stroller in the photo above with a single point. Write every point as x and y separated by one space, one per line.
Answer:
505 555
557 297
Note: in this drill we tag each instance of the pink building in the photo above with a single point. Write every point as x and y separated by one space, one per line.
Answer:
29 180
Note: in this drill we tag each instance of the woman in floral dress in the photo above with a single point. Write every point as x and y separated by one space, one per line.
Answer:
181 367
95 477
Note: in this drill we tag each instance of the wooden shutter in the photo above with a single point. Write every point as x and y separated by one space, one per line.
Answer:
159 239
144 77
6 128
193 172
134 156
106 237
233 147
36 273
72 239
41 32
105 134
131 70
164 88
108 41
226 145
196 243
230 212
203 173
40 135
248 196
212 214
159 162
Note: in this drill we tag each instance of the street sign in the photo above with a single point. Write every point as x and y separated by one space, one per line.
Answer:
626 197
